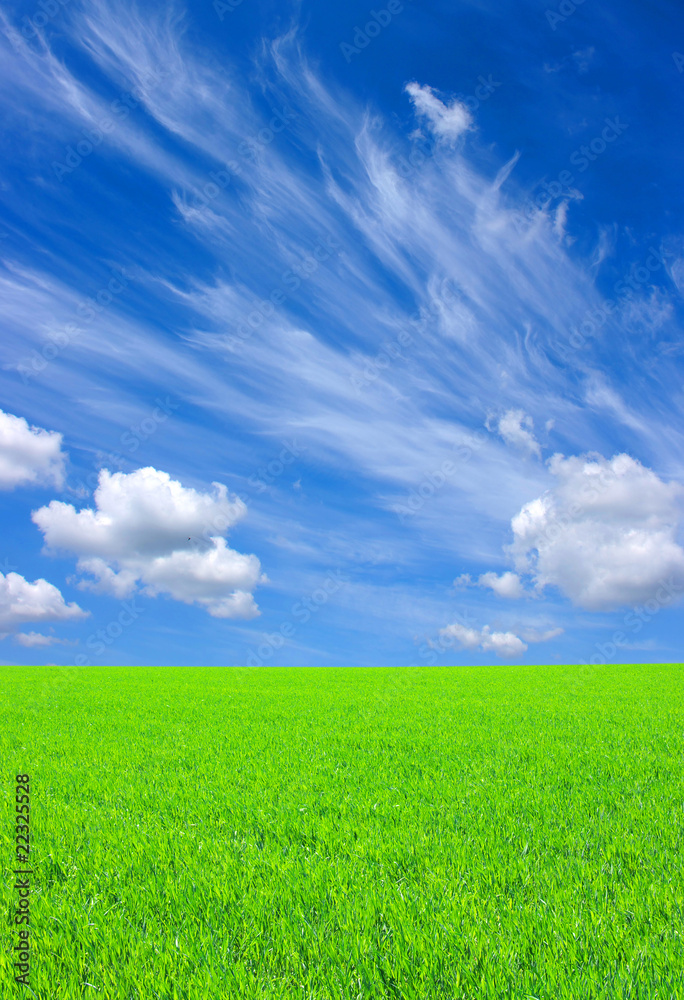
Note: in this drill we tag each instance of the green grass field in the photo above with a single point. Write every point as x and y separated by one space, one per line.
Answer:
402 833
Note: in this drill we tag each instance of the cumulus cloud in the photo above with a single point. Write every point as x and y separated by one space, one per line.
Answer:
605 535
504 644
507 585
29 454
148 530
219 579
516 430
40 601
446 121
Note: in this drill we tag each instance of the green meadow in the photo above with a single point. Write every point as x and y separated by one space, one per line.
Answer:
456 833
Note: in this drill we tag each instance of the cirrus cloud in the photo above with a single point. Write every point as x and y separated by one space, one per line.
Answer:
31 640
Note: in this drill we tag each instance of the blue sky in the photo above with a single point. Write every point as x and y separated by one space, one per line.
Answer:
341 335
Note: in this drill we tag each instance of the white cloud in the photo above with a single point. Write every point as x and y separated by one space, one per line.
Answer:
532 635
218 579
447 121
119 583
559 220
467 638
502 643
605 536
507 585
514 433
505 644
28 454
445 219
147 529
35 639
40 601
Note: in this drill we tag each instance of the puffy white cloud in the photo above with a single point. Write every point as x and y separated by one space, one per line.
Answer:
605 536
28 454
109 581
467 638
145 513
507 585
148 530
502 643
447 121
22 602
219 579
505 644
516 430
